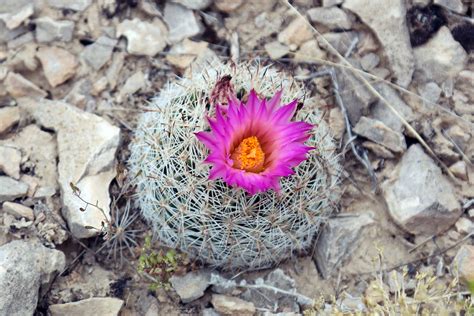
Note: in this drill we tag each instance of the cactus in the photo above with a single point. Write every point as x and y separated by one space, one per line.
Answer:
223 226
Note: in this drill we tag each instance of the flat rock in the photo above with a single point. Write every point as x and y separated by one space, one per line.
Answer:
18 86
228 6
183 54
310 52
25 266
331 17
380 133
104 306
86 149
462 263
337 241
441 58
191 286
430 92
459 169
194 4
10 159
9 117
18 210
58 64
11 189
98 54
134 83
369 61
276 50
14 19
143 38
419 197
48 30
182 23
75 5
230 305
296 33
384 17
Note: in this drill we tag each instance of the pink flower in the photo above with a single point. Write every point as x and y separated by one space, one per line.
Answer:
252 145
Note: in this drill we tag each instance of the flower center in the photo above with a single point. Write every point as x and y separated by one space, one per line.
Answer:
249 156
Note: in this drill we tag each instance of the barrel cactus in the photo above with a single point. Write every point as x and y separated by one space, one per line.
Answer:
216 220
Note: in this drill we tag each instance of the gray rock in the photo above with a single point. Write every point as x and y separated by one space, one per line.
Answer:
379 133
330 3
182 23
340 41
430 91
25 266
86 149
194 4
369 61
337 241
419 197
21 41
104 306
18 86
48 30
58 64
9 116
221 285
143 38
18 210
7 35
99 53
332 17
440 58
384 17
15 18
11 189
76 5
10 159
191 286
210 312
462 264
276 50
464 83
229 305
452 5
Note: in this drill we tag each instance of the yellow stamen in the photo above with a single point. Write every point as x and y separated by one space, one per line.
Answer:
249 156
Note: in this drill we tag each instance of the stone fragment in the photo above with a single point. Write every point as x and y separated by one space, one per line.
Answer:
183 54
331 17
384 17
336 123
17 86
113 72
310 52
7 35
191 286
133 84
86 146
337 241
330 3
75 5
182 23
58 64
18 210
369 61
98 54
459 169
379 133
15 18
464 226
229 305
419 197
296 33
143 38
21 41
104 306
452 5
430 92
194 4
9 117
25 266
462 264
11 189
10 159
440 58
464 82
48 30
276 50
341 41
228 6
378 150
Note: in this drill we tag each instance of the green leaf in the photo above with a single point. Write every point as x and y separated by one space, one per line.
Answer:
470 286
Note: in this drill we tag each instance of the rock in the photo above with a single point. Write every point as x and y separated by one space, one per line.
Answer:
9 117
113 73
276 50
330 3
221 285
143 38
7 35
21 41
337 123
419 197
310 52
462 263
229 305
75 5
452 5
382 73
194 4
58 64
11 189
209 312
99 53
464 226
296 33
440 58
337 241
459 169
191 286
17 86
464 83
332 17
48 30
183 54
10 159
134 83
383 17
430 92
379 133
369 61
15 18
18 210
104 306
182 23
340 41
86 146
378 150
25 266
228 6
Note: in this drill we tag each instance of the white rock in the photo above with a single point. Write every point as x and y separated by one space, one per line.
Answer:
10 159
103 306
228 6
464 226
11 189
190 286
76 5
48 30
341 41
419 197
276 50
58 64
133 84
229 305
9 116
18 210
310 52
379 133
15 18
332 17
143 38
430 91
182 23
17 86
369 61
384 17
330 3
462 264
98 54
86 146
459 169
194 4
441 57
296 33
183 54
452 5
464 83
25 266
